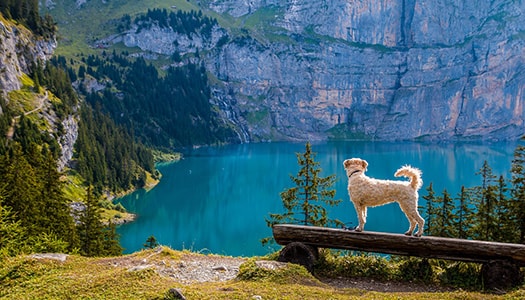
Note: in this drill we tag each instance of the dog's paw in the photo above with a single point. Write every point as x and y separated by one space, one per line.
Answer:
408 233
349 228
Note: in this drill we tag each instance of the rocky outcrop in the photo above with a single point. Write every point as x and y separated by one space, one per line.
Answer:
19 48
374 69
67 141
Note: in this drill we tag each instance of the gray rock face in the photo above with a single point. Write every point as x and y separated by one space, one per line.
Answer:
18 49
166 41
388 69
377 69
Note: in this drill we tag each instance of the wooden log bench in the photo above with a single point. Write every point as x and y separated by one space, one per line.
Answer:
501 261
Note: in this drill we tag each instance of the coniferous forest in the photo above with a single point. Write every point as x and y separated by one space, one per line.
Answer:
35 215
27 12
169 110
491 211
139 107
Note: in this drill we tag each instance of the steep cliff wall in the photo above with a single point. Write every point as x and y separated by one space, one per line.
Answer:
18 49
377 69
386 69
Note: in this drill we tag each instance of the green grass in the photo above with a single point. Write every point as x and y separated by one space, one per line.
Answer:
74 188
25 99
79 28
23 277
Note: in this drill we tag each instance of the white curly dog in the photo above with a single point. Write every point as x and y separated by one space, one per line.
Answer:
369 192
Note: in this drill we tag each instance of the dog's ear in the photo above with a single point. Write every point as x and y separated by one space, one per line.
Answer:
364 164
346 163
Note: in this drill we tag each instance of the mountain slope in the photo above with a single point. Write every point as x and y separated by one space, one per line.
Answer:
372 69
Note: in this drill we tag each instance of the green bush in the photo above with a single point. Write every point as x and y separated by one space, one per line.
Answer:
415 269
353 264
461 274
290 273
333 264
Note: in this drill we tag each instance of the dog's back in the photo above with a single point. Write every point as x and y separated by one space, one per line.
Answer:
374 192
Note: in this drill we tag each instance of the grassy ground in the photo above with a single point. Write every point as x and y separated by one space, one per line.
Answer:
80 27
24 277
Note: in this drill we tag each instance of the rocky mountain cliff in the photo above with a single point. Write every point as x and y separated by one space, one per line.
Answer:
19 48
373 69
386 69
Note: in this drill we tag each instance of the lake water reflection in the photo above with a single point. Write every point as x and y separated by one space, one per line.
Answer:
216 198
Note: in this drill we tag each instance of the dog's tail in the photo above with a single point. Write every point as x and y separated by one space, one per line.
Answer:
414 174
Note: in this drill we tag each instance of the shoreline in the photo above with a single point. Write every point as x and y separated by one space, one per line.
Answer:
126 216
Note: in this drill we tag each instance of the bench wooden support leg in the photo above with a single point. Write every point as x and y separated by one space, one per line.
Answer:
501 275
301 254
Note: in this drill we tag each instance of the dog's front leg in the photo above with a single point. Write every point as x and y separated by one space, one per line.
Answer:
361 215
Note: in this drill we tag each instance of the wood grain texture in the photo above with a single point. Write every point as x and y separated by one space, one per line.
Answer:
388 243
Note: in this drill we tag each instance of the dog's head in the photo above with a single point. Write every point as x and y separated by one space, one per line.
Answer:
354 165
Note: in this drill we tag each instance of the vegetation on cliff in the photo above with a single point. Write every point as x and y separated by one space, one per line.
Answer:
163 110
35 212
27 12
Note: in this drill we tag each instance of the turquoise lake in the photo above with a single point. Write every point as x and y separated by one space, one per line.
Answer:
216 199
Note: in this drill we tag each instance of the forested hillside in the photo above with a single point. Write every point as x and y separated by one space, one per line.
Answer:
36 215
164 110
27 12
166 107
123 107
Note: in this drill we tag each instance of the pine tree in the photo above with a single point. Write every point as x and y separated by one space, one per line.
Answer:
12 234
517 206
430 210
151 242
90 228
19 178
464 214
54 207
305 202
505 220
448 218
111 241
434 212
486 200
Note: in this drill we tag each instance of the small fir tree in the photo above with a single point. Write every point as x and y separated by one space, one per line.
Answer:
464 214
111 244
486 198
448 221
517 206
90 228
151 243
505 221
306 202
95 239
430 210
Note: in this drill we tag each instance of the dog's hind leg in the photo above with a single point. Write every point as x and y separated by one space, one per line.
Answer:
414 216
420 225
410 213
411 228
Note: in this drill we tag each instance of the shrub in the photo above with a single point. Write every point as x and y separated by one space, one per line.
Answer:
353 264
461 274
415 269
